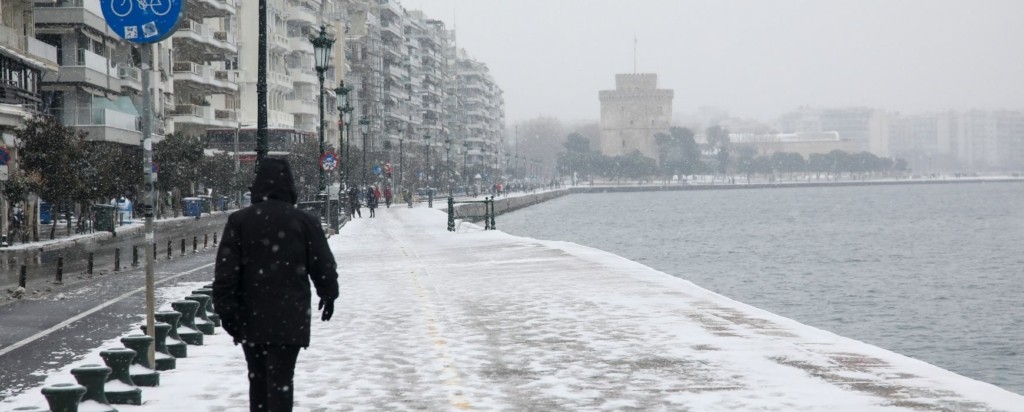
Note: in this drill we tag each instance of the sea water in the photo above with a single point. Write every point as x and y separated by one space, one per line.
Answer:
933 272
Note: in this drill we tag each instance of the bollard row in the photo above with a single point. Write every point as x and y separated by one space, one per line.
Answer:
127 369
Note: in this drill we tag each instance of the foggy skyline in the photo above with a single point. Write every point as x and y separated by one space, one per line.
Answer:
755 59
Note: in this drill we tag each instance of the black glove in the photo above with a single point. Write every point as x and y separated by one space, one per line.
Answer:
328 309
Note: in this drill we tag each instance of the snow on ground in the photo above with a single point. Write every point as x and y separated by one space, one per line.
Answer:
475 320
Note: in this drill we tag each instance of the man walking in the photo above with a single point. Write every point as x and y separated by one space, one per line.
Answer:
269 253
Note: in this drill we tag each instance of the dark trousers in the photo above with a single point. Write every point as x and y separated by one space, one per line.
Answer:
271 369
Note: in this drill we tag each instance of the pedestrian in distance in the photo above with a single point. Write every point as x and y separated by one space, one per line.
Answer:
353 202
371 200
269 253
407 195
387 196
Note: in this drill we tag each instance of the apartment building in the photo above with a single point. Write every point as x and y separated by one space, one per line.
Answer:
24 61
477 111
865 126
96 87
412 82
204 76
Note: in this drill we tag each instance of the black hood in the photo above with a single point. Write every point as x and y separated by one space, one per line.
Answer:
274 181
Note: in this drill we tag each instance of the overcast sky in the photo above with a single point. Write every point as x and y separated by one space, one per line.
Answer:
754 58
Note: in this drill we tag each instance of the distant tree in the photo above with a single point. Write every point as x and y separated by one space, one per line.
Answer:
112 170
178 157
305 161
577 158
678 152
818 163
720 144
52 157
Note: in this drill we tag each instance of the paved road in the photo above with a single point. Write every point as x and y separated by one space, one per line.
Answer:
50 330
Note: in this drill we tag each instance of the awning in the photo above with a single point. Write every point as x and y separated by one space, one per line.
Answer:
28 61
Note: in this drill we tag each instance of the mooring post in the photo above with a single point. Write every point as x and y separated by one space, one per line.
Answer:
60 270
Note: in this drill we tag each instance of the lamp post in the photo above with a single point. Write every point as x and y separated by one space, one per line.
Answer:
465 154
447 163
430 185
401 163
322 57
364 125
345 115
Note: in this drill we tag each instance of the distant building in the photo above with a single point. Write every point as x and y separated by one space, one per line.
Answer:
865 126
633 113
805 144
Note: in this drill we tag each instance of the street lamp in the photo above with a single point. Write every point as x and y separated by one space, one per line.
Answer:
465 154
364 125
345 114
447 163
322 57
430 186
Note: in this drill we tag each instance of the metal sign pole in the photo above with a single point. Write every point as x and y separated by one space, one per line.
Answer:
145 25
147 150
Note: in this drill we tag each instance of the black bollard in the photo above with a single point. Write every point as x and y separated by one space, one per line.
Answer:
60 270
93 378
168 250
117 259
183 247
88 267
206 240
23 276
215 238
135 255
154 250
195 244
64 396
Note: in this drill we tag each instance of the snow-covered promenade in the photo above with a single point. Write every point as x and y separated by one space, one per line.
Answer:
482 320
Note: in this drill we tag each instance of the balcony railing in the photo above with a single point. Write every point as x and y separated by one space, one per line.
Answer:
89 116
90 60
92 6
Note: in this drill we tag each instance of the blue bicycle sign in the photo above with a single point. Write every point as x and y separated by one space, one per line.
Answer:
122 8
143 21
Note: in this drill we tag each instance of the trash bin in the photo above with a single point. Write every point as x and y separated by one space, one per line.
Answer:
207 202
45 213
193 206
104 215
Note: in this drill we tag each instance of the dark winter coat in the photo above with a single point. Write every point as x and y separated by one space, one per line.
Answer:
267 256
371 199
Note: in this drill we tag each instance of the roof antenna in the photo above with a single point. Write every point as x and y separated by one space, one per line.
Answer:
634 51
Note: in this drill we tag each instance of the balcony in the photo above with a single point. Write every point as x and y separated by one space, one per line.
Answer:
277 118
300 44
204 78
44 55
72 12
87 68
103 124
205 9
194 38
279 42
190 115
302 15
301 107
131 77
280 81
304 76
391 7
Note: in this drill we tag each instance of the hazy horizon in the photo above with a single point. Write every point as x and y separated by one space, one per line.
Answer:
754 59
